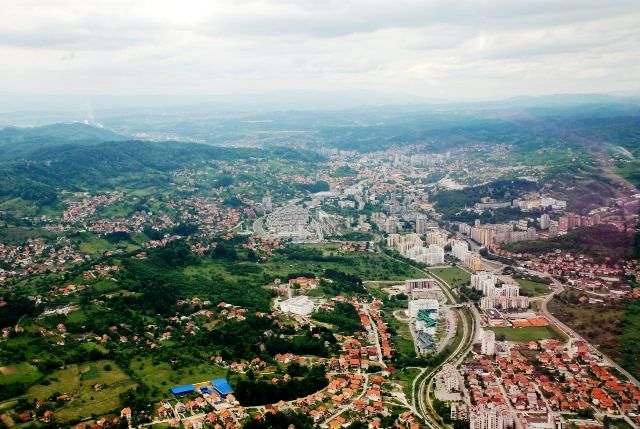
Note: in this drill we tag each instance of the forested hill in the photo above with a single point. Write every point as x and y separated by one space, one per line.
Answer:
36 167
19 142
68 132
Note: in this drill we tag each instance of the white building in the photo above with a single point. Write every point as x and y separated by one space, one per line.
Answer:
432 255
544 221
440 238
422 223
504 302
422 304
490 417
459 249
483 281
300 305
450 378
488 342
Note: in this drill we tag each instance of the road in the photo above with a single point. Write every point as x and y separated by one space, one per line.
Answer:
348 406
455 358
573 334
443 285
258 227
569 332
374 328
422 405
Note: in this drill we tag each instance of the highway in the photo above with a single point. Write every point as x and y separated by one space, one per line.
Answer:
455 358
573 334
422 383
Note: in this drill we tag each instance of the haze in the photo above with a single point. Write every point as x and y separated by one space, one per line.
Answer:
402 50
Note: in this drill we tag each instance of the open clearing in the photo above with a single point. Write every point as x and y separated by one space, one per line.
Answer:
21 373
85 400
523 335
162 376
453 276
531 288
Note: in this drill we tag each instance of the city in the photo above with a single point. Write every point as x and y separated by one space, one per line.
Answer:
271 214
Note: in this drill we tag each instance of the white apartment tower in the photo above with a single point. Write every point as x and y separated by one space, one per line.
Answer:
488 342
490 417
544 221
421 224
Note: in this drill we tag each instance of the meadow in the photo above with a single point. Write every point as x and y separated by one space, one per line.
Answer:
78 381
523 335
453 276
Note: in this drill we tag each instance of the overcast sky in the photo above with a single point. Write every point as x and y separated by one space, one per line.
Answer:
433 49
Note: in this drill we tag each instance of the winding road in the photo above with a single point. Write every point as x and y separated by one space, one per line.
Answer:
569 332
421 386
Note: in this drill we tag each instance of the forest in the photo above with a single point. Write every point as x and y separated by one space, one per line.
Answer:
599 241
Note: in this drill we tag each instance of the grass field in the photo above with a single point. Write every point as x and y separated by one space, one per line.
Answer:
532 288
621 424
599 324
77 381
523 335
89 373
21 373
368 266
104 285
161 377
612 328
630 171
94 245
454 276
405 378
402 341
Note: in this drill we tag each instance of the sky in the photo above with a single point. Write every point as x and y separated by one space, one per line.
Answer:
461 50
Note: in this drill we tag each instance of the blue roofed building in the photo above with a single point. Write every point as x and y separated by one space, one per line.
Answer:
182 390
221 385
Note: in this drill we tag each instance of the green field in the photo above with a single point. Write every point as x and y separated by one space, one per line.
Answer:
523 335
95 245
405 378
453 276
532 288
21 373
402 341
104 285
630 171
159 378
612 327
368 266
77 382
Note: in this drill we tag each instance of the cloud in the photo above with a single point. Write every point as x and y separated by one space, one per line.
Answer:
474 48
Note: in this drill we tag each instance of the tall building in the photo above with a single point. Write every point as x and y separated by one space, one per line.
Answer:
483 281
472 260
544 221
440 238
563 224
490 417
459 249
504 302
484 236
488 342
391 225
421 224
450 378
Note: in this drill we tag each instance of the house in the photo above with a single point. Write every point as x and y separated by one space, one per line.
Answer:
125 413
47 416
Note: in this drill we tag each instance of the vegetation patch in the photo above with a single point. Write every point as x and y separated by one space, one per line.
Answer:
523 335
453 276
